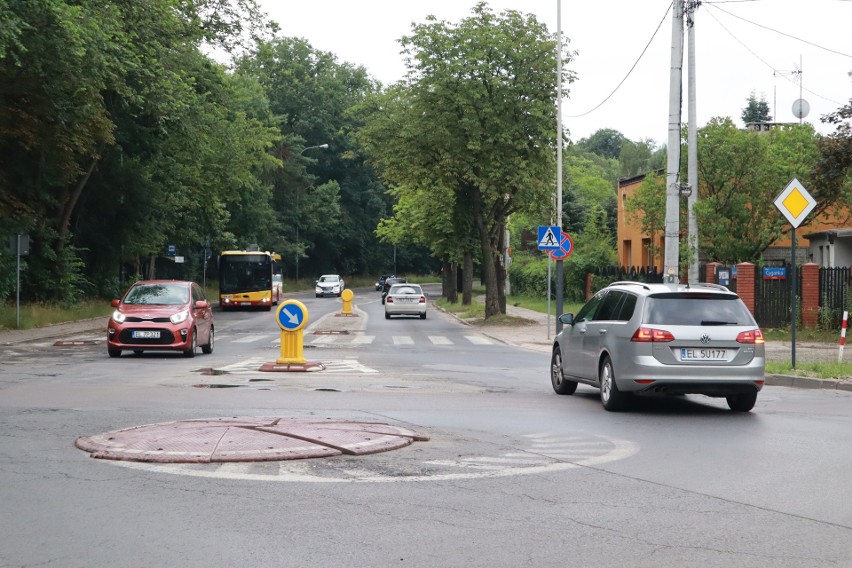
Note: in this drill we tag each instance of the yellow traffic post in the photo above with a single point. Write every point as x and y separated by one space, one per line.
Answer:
292 316
347 296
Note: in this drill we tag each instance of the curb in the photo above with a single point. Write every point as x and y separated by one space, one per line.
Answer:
809 383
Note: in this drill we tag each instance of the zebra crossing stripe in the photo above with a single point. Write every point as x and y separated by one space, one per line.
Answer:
402 340
478 340
250 338
440 340
363 339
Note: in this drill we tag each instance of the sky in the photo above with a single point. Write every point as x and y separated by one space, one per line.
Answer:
741 46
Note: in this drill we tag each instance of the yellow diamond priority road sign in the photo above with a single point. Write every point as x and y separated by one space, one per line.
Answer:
795 203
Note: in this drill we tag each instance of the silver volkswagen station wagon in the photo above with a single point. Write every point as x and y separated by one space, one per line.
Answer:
633 338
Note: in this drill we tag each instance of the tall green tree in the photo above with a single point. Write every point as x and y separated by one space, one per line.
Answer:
78 88
756 110
480 120
605 142
834 168
311 93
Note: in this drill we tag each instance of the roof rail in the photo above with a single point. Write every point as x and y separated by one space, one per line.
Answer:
630 282
713 285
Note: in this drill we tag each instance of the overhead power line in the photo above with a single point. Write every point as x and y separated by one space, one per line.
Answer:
776 72
629 72
713 4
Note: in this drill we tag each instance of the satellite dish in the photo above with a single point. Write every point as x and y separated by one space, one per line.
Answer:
801 108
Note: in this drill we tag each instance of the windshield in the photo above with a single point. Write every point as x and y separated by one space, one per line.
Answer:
329 278
162 294
244 273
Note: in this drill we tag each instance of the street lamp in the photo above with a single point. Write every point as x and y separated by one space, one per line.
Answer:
312 147
298 216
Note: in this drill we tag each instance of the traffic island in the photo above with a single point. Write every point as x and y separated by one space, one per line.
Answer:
246 439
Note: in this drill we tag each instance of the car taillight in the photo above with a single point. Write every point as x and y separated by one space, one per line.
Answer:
389 300
649 335
422 299
754 336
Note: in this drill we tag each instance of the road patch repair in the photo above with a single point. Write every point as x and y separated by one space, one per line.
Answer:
246 439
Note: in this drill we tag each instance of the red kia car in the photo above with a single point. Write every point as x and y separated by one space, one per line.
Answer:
162 315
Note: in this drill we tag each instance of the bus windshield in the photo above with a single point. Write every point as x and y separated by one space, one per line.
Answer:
244 273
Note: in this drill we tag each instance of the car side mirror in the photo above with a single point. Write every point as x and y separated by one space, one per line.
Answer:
115 303
202 304
567 318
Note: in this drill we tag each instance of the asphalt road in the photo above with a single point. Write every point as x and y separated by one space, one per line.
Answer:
512 474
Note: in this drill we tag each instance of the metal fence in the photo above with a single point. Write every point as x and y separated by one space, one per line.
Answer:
771 297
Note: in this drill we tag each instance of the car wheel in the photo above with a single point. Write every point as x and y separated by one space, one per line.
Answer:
742 402
423 316
557 379
208 349
387 316
114 352
189 353
611 398
137 352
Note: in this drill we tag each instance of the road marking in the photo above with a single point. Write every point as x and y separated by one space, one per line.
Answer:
529 461
402 340
440 340
250 338
363 339
478 340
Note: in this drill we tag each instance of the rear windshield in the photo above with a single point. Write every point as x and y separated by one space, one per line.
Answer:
696 309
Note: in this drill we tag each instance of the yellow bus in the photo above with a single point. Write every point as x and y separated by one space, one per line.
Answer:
249 279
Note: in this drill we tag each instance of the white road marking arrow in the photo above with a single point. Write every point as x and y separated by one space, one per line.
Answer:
294 318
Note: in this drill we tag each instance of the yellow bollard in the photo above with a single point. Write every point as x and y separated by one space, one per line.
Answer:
347 296
292 317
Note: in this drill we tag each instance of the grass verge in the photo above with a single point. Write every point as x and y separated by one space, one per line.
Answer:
39 315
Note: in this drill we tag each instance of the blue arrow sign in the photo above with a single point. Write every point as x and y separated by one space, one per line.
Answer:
291 316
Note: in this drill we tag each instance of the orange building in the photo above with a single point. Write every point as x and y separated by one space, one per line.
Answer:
829 232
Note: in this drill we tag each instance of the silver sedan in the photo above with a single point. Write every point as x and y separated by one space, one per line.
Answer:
405 300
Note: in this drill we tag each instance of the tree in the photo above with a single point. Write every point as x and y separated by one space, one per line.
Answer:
605 142
834 167
83 102
312 93
740 174
640 157
478 120
756 111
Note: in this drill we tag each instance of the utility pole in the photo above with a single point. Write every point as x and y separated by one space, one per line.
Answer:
671 269
692 146
560 285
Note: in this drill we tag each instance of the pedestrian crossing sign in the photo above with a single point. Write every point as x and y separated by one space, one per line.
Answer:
549 237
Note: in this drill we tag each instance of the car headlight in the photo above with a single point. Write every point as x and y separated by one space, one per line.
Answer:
179 317
118 317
